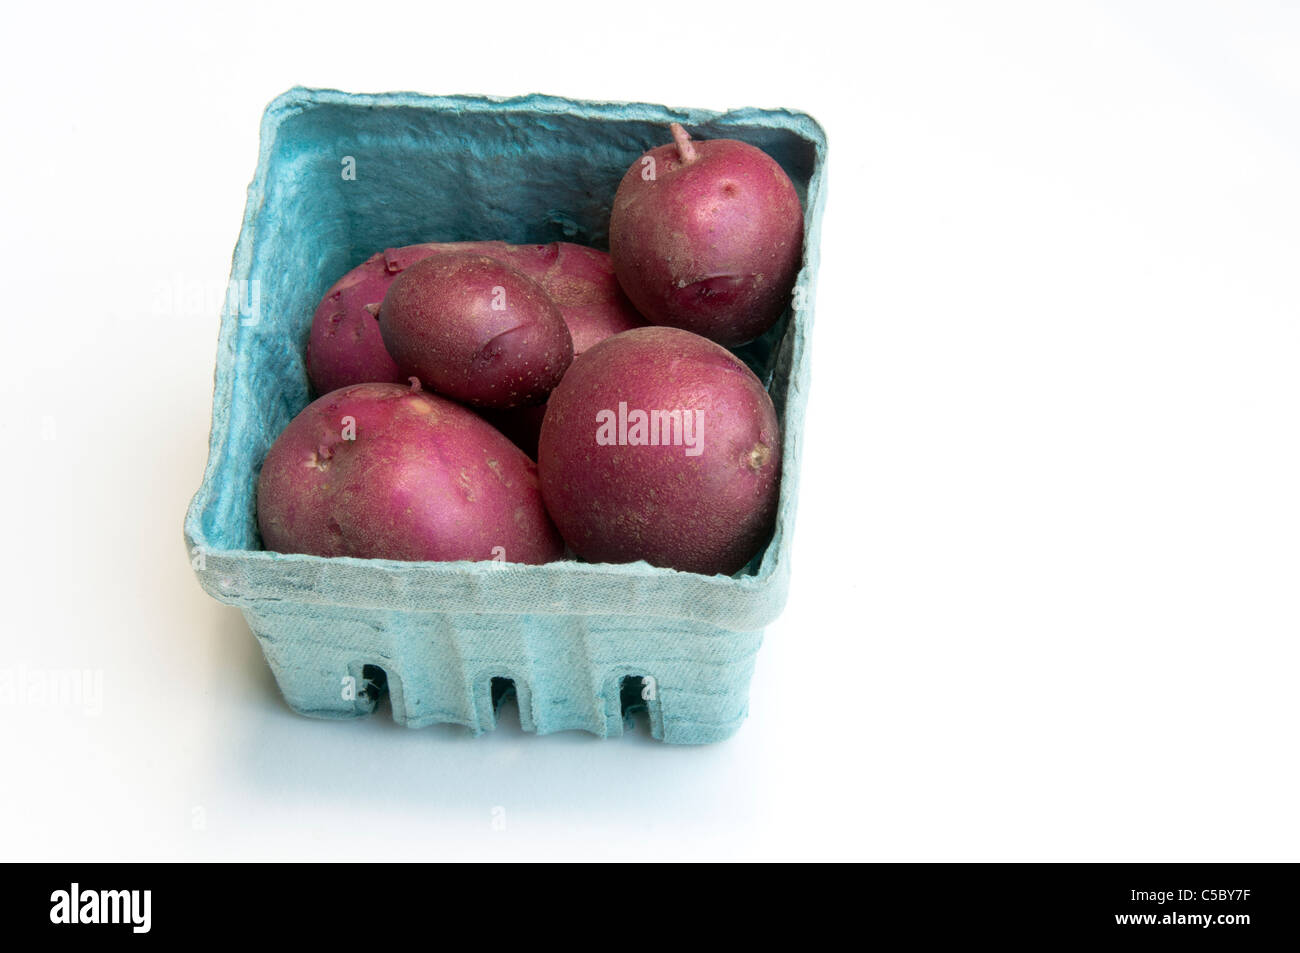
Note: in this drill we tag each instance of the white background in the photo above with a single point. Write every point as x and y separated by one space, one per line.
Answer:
1044 601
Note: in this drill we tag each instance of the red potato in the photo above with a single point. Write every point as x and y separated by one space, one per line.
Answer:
581 282
661 445
345 346
476 329
707 236
381 471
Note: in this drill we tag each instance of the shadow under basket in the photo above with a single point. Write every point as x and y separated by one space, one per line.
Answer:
581 646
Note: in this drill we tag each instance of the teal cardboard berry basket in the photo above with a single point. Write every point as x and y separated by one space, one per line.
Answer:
341 176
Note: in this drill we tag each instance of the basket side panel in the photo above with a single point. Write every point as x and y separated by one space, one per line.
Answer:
568 671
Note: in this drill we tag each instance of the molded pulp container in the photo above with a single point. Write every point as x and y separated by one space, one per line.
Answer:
340 177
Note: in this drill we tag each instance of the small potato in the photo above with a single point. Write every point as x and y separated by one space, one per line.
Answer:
707 236
476 329
381 471
345 345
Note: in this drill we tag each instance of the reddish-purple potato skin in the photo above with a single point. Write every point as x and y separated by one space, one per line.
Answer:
707 513
580 280
424 479
477 330
713 243
345 346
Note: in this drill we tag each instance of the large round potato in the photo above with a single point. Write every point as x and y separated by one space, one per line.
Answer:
661 445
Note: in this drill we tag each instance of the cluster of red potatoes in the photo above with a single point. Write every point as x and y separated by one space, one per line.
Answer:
447 369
